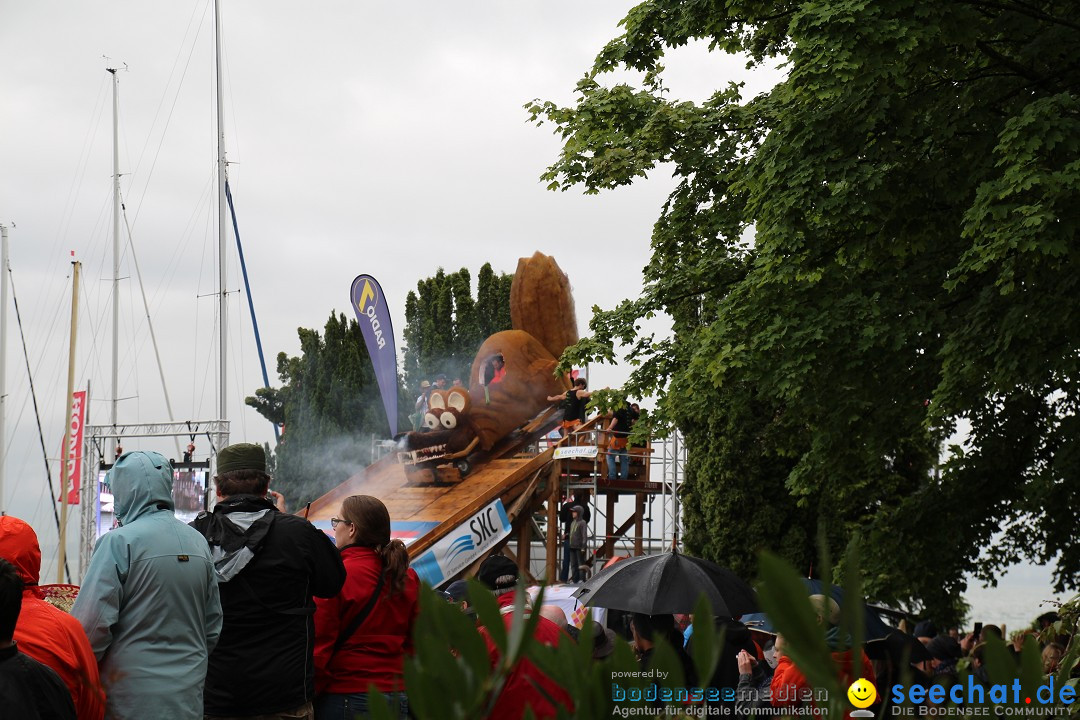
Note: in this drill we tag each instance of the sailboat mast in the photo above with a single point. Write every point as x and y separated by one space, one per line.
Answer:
116 251
3 359
65 455
222 227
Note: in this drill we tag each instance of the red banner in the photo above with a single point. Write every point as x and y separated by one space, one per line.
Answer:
75 445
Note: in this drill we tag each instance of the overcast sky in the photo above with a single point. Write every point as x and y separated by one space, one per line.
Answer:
381 138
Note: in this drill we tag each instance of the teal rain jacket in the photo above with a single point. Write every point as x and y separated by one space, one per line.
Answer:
149 601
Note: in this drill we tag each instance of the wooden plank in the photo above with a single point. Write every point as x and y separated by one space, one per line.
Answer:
523 569
551 542
502 473
524 535
628 486
608 548
464 510
525 498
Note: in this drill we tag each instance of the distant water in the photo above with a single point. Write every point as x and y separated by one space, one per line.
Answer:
1017 600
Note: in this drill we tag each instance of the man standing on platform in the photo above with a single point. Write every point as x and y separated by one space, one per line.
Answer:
618 437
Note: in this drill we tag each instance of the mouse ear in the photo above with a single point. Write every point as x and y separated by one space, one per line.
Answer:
458 399
437 400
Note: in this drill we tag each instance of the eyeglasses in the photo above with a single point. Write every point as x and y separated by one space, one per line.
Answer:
334 522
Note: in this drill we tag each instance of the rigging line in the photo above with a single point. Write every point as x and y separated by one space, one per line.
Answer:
56 357
240 364
94 255
195 385
45 353
168 120
131 371
210 358
92 354
81 164
77 182
238 375
251 302
149 322
234 136
168 83
180 247
37 414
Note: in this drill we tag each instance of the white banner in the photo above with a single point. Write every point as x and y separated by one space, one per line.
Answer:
576 451
463 546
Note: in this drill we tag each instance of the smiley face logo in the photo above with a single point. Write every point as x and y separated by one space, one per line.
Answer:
862 693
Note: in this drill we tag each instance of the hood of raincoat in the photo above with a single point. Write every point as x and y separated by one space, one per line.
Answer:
141 482
19 546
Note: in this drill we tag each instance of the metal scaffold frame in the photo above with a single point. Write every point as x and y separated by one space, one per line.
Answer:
666 458
672 475
216 430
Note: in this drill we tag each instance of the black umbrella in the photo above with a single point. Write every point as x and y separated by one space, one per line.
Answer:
900 647
668 583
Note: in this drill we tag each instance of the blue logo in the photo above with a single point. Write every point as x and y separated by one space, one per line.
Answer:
461 545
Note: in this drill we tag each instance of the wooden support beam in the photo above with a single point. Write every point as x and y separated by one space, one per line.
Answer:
524 501
608 548
524 536
552 540
529 578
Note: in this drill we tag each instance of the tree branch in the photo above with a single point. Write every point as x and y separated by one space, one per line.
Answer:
1025 10
1018 68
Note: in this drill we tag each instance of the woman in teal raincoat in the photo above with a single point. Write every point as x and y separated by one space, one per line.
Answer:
149 601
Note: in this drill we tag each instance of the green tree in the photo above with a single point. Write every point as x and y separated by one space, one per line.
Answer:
329 400
445 326
330 405
877 251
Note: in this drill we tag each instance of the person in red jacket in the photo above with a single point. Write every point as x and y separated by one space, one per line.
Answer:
791 688
45 633
363 634
526 686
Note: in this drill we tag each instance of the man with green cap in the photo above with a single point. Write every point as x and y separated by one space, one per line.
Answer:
269 566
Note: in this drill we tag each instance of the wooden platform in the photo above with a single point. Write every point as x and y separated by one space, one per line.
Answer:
506 472
526 479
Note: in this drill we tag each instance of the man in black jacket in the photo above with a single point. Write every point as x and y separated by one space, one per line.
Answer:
566 516
269 566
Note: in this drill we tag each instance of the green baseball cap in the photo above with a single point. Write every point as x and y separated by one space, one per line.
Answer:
241 456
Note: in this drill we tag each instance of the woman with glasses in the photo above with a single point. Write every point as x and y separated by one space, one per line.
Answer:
363 634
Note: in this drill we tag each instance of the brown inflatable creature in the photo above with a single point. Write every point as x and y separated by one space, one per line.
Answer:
503 397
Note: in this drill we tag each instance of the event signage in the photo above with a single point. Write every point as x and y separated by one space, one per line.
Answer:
76 419
369 303
576 451
463 546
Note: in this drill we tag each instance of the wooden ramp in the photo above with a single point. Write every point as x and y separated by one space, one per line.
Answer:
424 513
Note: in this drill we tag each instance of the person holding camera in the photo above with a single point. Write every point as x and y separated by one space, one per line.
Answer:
269 567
